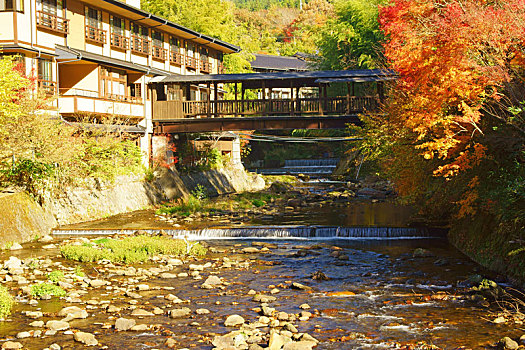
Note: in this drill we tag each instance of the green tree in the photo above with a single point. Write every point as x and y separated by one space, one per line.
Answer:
352 38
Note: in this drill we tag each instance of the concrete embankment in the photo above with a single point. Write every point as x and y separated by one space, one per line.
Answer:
24 219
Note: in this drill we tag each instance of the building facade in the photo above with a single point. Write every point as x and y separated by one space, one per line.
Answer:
98 56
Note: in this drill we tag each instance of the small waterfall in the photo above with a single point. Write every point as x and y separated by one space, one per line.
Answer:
279 232
306 163
304 166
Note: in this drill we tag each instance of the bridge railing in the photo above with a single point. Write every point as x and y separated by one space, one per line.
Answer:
166 110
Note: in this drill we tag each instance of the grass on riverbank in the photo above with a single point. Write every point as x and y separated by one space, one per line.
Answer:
240 201
6 302
39 290
130 249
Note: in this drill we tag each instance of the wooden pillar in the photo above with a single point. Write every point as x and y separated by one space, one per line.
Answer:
265 107
292 102
347 98
320 99
215 98
236 107
242 99
325 97
298 99
381 90
270 101
208 101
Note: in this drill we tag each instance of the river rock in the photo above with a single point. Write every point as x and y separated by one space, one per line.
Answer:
12 263
141 313
261 298
250 250
37 324
182 312
34 314
11 345
233 321
167 275
233 340
15 246
202 311
211 281
296 285
73 312
140 328
422 253
507 344
194 267
85 338
522 340
174 262
97 283
22 335
46 239
54 346
277 341
300 345
124 324
57 325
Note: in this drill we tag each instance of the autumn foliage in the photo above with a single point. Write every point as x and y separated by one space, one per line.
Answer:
456 113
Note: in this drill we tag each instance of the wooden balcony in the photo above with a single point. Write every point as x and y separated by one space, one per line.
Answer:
159 53
166 110
52 22
49 87
191 62
220 68
72 101
118 41
205 67
140 45
176 58
95 35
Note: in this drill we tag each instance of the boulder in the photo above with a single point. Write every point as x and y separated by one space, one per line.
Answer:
85 338
124 324
233 321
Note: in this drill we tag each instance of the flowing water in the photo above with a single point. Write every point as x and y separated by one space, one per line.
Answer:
312 167
378 295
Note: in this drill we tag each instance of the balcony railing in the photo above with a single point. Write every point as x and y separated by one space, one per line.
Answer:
95 34
176 58
47 86
191 62
347 105
206 67
52 22
140 45
119 41
95 94
158 52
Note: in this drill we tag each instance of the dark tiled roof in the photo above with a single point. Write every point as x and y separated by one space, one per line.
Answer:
283 79
279 63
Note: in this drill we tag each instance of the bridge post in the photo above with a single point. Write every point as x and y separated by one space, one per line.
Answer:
320 99
242 99
236 108
265 107
347 98
270 101
215 95
208 101
298 99
292 103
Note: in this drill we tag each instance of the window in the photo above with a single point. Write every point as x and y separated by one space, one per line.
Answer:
135 91
175 55
12 5
191 61
113 83
45 75
118 38
139 39
94 31
157 50
50 6
50 16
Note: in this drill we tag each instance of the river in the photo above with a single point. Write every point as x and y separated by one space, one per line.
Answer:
379 292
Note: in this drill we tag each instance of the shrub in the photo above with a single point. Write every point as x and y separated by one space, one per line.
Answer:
39 290
55 276
6 302
192 205
258 203
130 249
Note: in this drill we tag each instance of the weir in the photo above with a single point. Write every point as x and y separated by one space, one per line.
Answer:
275 232
310 167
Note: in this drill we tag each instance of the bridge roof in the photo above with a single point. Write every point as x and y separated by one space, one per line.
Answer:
284 79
